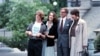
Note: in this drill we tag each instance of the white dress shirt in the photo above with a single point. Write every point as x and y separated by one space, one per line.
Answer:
64 19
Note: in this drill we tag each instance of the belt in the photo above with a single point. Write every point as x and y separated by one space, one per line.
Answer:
35 38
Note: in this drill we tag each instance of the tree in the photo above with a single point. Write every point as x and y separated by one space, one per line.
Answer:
4 9
21 15
97 44
61 3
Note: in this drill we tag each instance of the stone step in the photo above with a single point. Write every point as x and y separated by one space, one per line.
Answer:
13 54
5 49
93 21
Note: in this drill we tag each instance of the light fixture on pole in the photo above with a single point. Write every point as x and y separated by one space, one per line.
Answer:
54 3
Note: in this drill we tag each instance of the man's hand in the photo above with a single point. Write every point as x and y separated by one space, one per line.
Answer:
29 33
38 35
41 35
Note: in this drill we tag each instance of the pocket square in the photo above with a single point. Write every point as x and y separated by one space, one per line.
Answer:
67 25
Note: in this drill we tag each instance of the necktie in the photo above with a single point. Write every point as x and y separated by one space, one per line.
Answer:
61 26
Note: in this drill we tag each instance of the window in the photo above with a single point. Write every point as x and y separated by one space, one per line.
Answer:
75 3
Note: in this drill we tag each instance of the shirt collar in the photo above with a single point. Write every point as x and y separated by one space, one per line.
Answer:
64 18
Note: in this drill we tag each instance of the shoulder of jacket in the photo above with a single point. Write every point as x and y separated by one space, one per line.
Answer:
31 23
44 22
70 19
82 21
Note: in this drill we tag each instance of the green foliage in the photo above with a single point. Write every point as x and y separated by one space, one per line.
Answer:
97 43
49 6
10 8
16 15
22 13
4 40
15 42
4 9
19 40
61 3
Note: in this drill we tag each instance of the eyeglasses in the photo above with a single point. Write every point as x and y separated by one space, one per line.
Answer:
62 12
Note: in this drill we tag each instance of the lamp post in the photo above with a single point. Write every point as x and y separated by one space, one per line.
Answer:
97 31
55 5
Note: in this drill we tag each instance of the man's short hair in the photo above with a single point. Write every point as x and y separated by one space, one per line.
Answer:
75 12
40 13
66 10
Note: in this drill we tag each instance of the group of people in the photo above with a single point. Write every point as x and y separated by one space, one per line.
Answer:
71 34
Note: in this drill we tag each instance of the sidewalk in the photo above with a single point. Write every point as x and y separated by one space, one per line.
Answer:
13 54
7 51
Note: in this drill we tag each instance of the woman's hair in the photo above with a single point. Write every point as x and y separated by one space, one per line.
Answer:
40 13
75 12
54 16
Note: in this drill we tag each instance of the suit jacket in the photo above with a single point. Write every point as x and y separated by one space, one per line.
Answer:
63 37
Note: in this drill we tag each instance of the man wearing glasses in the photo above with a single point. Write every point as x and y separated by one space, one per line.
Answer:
63 33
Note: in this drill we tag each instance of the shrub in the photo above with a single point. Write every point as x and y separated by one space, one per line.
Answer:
21 15
97 43
5 40
15 42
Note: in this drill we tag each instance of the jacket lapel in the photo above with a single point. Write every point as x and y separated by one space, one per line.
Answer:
66 24
78 24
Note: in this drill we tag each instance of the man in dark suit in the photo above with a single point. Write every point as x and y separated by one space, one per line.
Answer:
63 33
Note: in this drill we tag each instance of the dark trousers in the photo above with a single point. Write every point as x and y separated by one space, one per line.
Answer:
63 51
35 47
